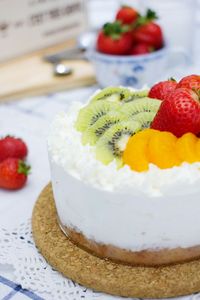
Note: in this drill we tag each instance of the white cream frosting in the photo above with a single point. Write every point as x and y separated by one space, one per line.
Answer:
136 211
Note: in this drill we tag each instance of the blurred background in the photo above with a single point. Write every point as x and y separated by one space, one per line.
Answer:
43 44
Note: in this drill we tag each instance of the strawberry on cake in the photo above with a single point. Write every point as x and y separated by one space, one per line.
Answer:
126 173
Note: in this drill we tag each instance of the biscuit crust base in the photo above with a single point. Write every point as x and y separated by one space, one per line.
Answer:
148 258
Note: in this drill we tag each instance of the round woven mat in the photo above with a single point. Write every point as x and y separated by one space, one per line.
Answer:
103 275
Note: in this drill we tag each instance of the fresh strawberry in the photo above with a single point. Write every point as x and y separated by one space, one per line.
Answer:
114 39
13 173
179 113
127 15
162 89
141 48
148 32
12 147
190 82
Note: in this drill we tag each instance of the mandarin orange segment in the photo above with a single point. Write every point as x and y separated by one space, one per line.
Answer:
197 148
135 153
161 150
185 147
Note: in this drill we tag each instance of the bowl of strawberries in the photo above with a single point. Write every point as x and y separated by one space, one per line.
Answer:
129 51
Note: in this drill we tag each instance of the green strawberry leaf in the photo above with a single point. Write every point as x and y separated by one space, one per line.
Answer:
115 29
151 15
172 79
23 168
148 17
197 91
125 6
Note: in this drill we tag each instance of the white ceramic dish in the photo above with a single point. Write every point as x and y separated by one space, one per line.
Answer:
129 70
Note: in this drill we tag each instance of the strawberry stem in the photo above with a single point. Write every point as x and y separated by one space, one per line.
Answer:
151 15
197 91
148 17
23 168
151 49
172 79
115 29
9 136
125 6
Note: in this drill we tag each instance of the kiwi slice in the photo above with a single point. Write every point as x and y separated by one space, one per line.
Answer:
112 144
89 114
140 105
136 95
94 132
145 118
113 94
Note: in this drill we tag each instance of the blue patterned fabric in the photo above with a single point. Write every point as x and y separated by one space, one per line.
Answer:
13 290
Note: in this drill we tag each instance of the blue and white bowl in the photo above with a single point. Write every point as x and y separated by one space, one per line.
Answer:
129 70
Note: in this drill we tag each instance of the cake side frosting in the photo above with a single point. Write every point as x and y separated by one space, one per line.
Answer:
149 210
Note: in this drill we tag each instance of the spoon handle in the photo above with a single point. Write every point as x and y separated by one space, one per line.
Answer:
68 54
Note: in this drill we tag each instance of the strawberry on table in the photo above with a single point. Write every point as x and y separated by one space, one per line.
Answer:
141 48
13 173
127 15
115 39
162 89
12 147
179 113
148 32
190 82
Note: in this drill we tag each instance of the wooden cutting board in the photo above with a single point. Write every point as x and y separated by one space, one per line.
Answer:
30 76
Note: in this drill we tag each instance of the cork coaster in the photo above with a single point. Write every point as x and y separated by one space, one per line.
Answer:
103 275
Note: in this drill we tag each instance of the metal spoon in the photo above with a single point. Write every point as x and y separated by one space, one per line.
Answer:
84 41
61 70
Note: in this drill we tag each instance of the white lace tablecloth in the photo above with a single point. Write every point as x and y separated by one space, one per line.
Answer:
24 274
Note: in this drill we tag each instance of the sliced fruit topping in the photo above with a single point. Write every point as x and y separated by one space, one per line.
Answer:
90 114
112 144
112 94
136 152
119 94
94 132
136 95
162 89
145 118
140 105
197 149
161 150
191 82
185 148
179 113
115 114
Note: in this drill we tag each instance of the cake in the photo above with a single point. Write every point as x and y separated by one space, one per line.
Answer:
147 216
